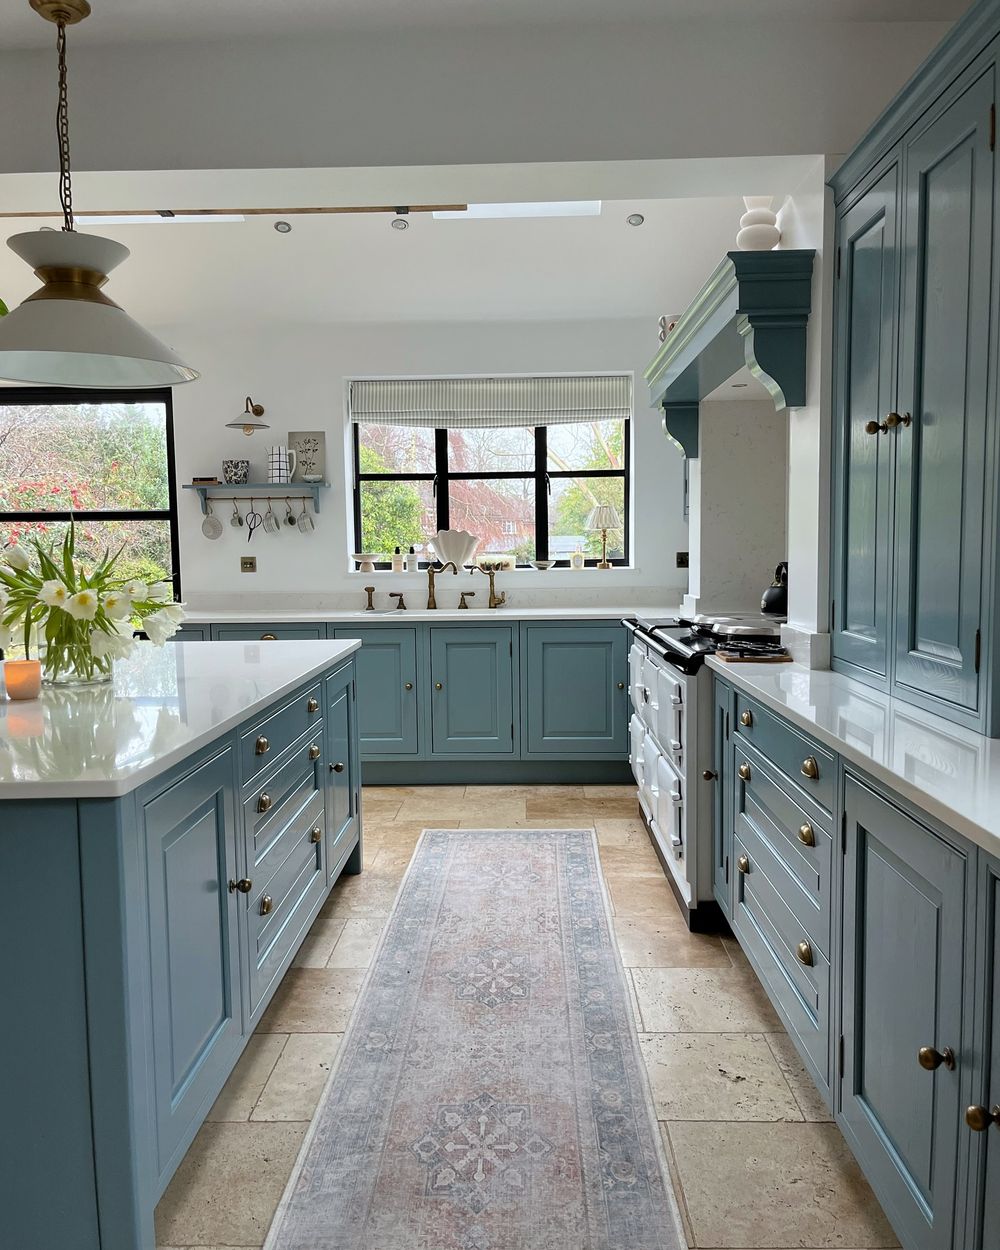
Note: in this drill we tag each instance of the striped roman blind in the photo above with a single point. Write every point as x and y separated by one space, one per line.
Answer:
465 402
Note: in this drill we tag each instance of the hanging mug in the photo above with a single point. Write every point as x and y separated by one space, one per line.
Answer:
280 465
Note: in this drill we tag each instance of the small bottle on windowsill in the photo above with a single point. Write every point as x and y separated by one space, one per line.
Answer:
397 561
576 560
411 564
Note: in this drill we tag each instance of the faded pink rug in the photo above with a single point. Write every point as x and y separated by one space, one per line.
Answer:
489 1093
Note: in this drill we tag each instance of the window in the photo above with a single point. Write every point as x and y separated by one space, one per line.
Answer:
103 458
536 511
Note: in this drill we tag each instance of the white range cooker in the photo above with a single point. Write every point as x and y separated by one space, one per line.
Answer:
671 741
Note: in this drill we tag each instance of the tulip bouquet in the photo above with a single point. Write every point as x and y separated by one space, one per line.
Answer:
79 621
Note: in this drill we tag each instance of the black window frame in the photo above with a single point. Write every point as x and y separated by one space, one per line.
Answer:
543 477
35 395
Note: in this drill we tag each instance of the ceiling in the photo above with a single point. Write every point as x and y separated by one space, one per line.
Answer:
116 21
358 269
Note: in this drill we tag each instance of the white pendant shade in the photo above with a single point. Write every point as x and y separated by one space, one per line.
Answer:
84 339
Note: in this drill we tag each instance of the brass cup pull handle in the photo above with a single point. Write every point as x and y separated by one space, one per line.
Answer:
979 1119
336 768
894 419
264 802
266 903
746 718
316 834
407 685
931 1059
438 686
314 752
743 863
807 835
269 637
876 427
809 768
244 885
261 746
744 771
804 954
312 705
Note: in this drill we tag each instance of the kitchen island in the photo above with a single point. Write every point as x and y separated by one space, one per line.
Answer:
166 841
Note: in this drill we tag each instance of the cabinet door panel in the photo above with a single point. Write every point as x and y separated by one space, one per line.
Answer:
722 765
944 350
904 960
573 702
194 951
341 769
984 1208
473 711
387 710
866 329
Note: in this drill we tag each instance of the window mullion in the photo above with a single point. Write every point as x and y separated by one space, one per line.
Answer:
541 492
443 482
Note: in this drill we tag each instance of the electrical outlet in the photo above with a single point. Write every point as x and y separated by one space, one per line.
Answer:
682 560
248 564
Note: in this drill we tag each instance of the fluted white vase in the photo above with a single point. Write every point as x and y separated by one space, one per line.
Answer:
758 226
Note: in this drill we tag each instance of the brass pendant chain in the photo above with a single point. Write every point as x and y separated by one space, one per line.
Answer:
62 132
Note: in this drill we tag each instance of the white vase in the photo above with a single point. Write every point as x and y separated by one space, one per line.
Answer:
758 226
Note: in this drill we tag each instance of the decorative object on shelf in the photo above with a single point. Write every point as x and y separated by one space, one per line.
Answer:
758 226
577 560
249 419
235 472
367 560
80 620
205 481
211 527
499 562
542 565
23 679
271 523
455 546
309 447
603 518
68 332
280 465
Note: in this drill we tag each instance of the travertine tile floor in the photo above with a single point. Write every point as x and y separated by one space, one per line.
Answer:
755 1159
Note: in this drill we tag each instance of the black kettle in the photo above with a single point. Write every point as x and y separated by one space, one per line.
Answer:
775 597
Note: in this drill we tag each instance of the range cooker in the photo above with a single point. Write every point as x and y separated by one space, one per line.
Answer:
671 748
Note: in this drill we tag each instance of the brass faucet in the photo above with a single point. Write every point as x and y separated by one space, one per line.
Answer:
495 601
431 570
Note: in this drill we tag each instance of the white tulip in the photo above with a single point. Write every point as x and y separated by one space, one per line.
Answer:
101 644
3 597
159 628
53 593
160 592
175 611
136 590
117 605
83 605
17 558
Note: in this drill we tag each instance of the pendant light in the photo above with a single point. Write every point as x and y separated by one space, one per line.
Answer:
68 333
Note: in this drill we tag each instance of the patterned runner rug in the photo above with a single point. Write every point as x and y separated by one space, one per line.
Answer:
489 1093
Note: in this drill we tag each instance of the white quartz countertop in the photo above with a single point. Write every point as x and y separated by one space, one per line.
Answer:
948 771
599 612
163 705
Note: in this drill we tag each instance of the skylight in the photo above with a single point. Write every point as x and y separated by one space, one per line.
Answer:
539 208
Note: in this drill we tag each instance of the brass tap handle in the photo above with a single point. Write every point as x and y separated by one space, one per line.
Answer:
931 1059
312 705
314 752
809 768
807 835
979 1119
261 746
804 954
876 427
264 802
466 594
744 771
398 594
894 419
746 718
743 863
244 885
370 605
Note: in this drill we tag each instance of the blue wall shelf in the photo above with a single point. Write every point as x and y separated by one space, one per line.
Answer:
261 492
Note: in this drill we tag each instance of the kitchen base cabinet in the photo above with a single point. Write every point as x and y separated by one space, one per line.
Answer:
573 687
982 1120
387 689
472 696
343 772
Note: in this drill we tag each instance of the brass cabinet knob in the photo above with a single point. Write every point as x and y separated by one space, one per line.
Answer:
621 685
804 952
314 752
312 705
264 802
744 771
876 427
894 419
743 863
261 746
807 835
244 885
746 718
809 768
709 775
979 1119
266 903
316 834
438 686
930 1059
336 768
269 637
407 685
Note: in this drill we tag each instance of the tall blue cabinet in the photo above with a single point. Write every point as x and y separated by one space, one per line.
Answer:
913 590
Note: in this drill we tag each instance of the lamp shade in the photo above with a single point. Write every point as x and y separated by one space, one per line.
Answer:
604 517
68 333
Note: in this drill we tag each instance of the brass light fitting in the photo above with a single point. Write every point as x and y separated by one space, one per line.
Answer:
249 419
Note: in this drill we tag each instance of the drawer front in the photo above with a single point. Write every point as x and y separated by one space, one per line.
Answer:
669 726
266 633
790 839
669 809
278 909
282 797
770 934
266 740
788 750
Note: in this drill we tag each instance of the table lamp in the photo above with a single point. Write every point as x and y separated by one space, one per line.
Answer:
604 517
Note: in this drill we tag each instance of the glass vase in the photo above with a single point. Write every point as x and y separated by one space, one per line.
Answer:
74 664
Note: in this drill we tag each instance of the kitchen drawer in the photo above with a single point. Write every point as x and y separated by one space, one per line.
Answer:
267 739
669 811
278 909
788 750
772 825
266 633
770 932
669 712
281 796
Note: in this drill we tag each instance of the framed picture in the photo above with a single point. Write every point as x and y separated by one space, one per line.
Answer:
310 455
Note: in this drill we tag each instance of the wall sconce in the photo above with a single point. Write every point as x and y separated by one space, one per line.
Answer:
249 420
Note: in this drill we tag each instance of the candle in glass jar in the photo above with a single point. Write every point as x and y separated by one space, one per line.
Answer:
23 678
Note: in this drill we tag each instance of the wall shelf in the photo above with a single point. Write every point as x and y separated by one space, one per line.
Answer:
260 492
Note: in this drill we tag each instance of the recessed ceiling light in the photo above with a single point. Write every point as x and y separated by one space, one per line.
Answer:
283 227
635 219
155 219
399 223
558 208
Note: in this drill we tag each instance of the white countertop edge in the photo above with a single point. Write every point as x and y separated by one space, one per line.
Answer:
598 612
96 788
742 676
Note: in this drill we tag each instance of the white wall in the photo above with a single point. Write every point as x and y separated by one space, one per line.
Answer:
298 374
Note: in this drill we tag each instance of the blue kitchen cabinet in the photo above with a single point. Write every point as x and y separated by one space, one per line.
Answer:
573 689
945 342
722 814
267 633
192 873
343 777
865 393
907 901
983 1115
472 690
387 689
192 633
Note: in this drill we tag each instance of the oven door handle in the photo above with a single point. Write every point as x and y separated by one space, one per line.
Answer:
653 645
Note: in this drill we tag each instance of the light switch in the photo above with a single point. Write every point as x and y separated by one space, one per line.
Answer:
248 564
